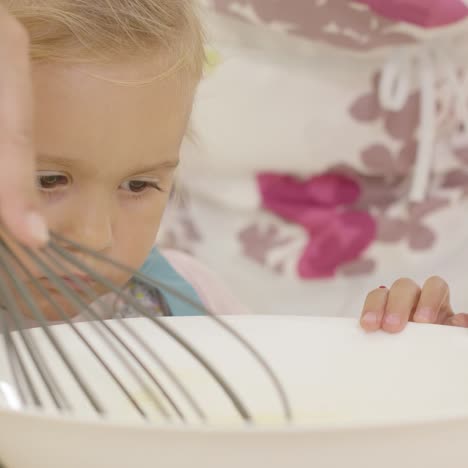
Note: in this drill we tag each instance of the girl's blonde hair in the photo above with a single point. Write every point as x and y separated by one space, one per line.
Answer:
103 30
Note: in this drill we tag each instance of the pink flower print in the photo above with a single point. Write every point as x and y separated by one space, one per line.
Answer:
342 239
425 13
321 205
379 194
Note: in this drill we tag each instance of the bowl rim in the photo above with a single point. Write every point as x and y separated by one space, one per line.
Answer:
385 423
364 424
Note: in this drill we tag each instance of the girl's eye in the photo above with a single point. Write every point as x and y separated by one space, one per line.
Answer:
138 186
51 181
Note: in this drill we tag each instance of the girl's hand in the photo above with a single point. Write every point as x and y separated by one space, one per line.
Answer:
391 309
18 203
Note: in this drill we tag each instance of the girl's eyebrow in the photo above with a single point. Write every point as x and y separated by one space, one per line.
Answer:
70 162
171 164
59 160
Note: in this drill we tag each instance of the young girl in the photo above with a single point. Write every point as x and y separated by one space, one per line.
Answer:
113 86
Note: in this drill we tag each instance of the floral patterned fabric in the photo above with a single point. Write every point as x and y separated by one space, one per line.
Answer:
321 204
353 24
312 125
425 13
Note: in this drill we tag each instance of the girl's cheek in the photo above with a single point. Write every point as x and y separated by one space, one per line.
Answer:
58 209
130 248
148 207
142 221
140 216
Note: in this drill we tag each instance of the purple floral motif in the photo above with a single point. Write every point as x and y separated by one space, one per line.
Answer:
457 179
361 266
389 173
400 125
380 194
344 210
181 233
379 160
412 228
322 205
258 243
425 13
182 239
336 22
461 154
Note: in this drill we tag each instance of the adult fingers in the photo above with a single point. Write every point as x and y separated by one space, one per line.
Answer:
402 301
18 203
374 309
434 303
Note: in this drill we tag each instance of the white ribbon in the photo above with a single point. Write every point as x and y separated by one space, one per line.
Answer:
425 63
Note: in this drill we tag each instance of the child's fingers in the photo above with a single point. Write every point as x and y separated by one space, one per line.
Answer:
402 300
374 309
434 305
459 320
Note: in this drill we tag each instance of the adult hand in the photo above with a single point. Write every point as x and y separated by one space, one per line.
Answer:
18 198
392 309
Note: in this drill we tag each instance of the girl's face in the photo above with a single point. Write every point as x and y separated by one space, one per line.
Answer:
106 154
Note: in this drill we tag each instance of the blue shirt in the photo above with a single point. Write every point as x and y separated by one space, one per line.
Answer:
158 268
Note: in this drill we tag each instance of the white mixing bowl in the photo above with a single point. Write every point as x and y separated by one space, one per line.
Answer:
359 401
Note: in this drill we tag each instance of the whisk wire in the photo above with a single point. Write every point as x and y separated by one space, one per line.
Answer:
231 394
57 263
143 343
45 373
18 368
204 310
95 323
90 293
64 317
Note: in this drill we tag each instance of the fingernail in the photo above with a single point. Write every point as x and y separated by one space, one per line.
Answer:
370 318
423 315
382 287
393 320
37 227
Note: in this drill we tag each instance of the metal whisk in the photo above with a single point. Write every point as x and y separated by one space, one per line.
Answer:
58 281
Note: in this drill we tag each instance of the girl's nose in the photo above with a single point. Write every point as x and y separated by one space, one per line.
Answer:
91 226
